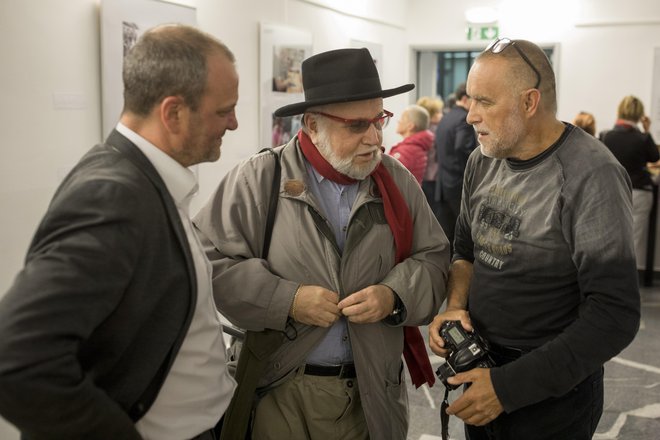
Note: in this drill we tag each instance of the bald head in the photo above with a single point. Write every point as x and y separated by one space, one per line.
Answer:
521 76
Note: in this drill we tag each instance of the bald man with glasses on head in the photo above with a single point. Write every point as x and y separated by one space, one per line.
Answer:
356 261
544 267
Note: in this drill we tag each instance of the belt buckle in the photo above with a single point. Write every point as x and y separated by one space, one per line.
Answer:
345 370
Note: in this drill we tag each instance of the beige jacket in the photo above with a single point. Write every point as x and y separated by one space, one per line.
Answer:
256 294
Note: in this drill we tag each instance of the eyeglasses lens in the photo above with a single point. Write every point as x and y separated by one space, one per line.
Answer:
362 125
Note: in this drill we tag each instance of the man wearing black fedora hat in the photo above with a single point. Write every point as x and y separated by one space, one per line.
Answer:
356 261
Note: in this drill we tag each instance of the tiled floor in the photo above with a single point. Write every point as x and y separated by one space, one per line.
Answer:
632 390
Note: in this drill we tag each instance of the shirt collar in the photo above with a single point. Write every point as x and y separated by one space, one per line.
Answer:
320 178
180 181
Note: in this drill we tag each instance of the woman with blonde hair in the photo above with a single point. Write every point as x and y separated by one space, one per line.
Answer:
586 122
635 149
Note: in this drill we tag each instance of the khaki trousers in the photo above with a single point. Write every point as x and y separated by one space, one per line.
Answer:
311 407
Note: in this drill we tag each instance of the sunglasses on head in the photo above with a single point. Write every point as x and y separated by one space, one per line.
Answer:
500 44
361 125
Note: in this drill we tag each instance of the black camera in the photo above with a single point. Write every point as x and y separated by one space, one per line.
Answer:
467 351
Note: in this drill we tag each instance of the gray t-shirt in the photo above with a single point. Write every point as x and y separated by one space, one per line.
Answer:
554 268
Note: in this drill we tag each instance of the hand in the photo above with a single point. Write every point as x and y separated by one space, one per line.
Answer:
436 343
646 123
315 305
368 305
479 404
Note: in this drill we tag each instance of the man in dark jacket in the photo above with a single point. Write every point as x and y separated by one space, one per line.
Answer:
110 330
454 141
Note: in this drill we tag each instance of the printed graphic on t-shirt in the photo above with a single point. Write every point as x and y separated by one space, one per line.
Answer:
498 223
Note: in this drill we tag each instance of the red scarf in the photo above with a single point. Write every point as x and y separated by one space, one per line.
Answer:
400 222
625 123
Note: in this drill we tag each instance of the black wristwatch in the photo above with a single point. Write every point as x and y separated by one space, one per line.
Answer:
398 306
398 312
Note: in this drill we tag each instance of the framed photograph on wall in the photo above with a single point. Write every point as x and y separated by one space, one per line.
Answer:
122 23
282 51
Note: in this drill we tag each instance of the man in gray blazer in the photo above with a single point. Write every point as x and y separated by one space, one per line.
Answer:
110 330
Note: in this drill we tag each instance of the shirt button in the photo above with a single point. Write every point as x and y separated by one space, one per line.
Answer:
277 365
345 338
349 383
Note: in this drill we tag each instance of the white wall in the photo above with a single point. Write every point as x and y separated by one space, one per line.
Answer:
52 47
605 46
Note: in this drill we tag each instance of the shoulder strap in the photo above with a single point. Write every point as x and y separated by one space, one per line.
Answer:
257 346
272 205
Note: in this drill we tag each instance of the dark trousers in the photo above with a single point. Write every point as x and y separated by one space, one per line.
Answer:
573 416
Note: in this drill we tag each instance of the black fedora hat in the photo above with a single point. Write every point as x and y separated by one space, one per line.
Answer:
340 75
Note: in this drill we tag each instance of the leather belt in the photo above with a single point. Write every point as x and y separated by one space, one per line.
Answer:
344 371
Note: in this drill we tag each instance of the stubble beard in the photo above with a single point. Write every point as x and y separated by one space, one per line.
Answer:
502 145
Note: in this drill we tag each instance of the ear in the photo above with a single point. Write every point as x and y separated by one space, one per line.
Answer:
312 126
531 101
310 122
172 109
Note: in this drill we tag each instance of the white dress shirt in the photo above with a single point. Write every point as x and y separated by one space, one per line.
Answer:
198 387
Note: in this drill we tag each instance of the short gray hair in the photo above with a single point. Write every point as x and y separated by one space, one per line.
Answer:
419 116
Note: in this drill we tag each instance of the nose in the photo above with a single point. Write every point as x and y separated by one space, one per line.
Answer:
373 135
232 124
472 116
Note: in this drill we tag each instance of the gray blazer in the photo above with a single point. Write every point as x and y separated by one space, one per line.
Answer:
93 322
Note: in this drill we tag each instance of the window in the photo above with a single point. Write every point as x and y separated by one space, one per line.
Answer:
440 72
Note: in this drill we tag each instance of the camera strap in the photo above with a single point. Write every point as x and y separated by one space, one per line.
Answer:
444 417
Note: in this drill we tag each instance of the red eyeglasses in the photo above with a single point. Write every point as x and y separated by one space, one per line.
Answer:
361 125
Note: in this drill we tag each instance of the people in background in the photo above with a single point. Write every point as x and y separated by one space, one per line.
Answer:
586 122
635 148
356 257
454 141
417 141
110 330
543 267
435 108
451 103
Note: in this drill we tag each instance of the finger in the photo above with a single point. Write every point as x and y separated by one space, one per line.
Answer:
435 338
352 299
326 319
354 310
437 345
459 406
461 378
466 323
363 318
330 296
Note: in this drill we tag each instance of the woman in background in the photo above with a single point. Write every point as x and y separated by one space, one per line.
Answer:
586 122
635 149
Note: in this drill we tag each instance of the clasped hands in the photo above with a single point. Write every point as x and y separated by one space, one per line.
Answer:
315 305
478 405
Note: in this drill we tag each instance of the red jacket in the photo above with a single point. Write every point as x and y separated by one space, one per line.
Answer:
412 152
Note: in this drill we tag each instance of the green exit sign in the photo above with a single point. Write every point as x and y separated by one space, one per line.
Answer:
482 33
